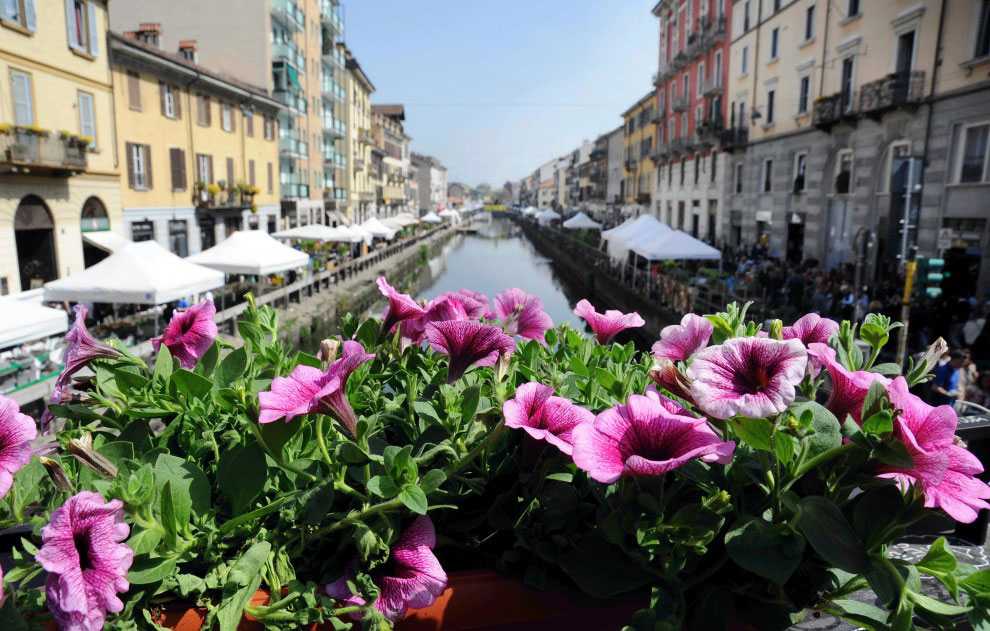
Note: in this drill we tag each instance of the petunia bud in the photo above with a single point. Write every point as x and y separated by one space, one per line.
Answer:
328 351
934 353
776 329
57 474
665 374
82 449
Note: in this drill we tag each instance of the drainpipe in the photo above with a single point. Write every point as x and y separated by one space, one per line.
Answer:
828 20
936 65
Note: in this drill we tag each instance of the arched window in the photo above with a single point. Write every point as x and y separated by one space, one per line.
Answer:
94 216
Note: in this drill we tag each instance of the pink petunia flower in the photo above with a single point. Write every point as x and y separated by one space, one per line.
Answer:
643 438
747 376
680 341
668 404
309 390
811 328
189 334
609 324
475 303
400 306
545 417
522 314
17 432
86 560
414 578
849 387
445 307
81 348
467 344
945 471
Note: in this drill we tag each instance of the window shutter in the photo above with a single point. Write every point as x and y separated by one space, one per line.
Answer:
87 117
133 91
147 165
249 124
161 97
251 172
209 160
129 150
70 24
21 87
94 40
270 178
207 106
230 172
233 118
182 169
177 101
30 15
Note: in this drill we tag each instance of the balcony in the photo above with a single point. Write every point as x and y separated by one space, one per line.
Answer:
364 135
734 138
677 146
359 164
366 196
712 86
334 128
708 132
292 146
288 13
330 15
631 163
331 90
898 89
660 152
332 54
656 116
294 185
712 33
679 103
289 53
834 109
598 154
33 153
643 198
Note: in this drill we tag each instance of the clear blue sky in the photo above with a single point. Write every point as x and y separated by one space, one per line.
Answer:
493 89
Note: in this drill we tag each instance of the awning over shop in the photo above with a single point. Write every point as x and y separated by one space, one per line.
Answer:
673 245
378 229
250 252
106 240
139 273
23 319
431 217
582 221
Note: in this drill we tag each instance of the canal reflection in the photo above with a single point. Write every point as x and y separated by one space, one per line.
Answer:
496 258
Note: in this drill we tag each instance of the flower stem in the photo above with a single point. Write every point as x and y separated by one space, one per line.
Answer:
277 458
322 441
821 458
492 437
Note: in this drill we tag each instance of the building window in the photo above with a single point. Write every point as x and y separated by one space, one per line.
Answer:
178 237
717 69
744 60
139 166
226 117
776 5
746 16
852 8
699 114
684 124
768 175
683 170
973 153
21 12
23 97
774 44
686 86
203 117
177 164
714 163
87 117
809 23
804 92
738 178
983 31
697 169
848 68
142 231
204 168
771 97
170 105
843 172
898 150
800 165
81 26
249 124
701 79
269 128
134 91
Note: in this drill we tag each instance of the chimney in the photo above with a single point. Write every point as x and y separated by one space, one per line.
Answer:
149 33
188 50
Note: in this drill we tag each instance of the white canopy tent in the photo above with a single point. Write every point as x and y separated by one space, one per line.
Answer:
546 216
581 221
451 214
310 232
140 273
378 229
252 252
617 240
673 245
106 240
431 217
23 319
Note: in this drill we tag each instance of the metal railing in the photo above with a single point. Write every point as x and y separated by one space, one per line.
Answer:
894 90
23 150
289 14
832 109
290 53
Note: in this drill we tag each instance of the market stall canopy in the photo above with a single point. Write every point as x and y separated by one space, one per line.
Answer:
140 273
546 216
378 229
309 232
23 319
451 214
250 252
106 240
673 246
431 217
582 221
617 239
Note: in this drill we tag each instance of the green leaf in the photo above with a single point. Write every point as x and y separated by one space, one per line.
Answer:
308 360
977 583
876 509
27 485
889 369
604 377
243 580
190 384
425 408
785 446
875 398
232 524
601 569
564 477
755 432
414 499
188 481
469 403
146 570
936 606
163 364
938 560
894 454
864 614
128 380
773 552
830 534
277 435
144 541
317 505
242 475
826 431
208 362
879 423
578 367
382 486
232 366
432 480
10 618
175 511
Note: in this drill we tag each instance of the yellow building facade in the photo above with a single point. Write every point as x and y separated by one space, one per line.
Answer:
640 135
59 165
199 152
391 139
362 180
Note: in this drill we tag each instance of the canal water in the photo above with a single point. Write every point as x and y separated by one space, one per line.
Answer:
497 257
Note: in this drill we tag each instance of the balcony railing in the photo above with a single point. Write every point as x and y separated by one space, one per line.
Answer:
289 14
41 154
364 135
359 164
679 103
712 85
330 15
894 90
643 198
291 145
631 163
660 151
289 53
830 110
334 128
734 137
677 146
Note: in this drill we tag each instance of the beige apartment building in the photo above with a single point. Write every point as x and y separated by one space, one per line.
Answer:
640 124
59 164
199 151
292 49
363 178
859 114
390 137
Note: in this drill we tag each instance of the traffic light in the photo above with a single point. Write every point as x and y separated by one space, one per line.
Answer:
931 273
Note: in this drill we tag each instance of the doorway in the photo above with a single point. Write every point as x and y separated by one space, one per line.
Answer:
795 238
34 233
93 219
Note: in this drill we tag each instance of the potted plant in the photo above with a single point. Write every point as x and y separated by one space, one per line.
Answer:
212 191
699 487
